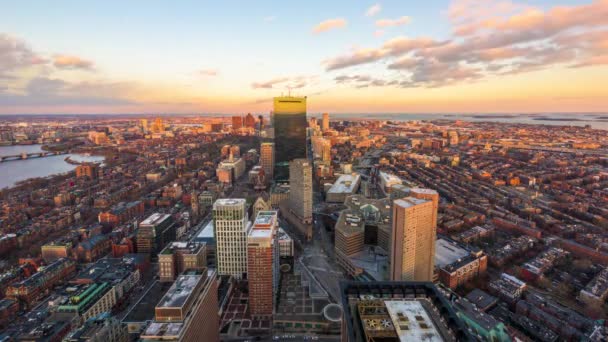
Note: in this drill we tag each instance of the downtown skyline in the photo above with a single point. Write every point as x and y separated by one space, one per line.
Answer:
489 56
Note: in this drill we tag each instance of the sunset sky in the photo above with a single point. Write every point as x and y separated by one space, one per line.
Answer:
159 56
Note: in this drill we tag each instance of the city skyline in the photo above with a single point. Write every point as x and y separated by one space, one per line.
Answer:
446 57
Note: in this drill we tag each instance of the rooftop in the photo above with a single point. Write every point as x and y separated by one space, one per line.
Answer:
412 321
448 252
345 184
399 311
155 219
180 291
230 202
409 202
265 219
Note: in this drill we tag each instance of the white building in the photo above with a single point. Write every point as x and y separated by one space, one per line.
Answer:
345 185
387 180
232 226
300 193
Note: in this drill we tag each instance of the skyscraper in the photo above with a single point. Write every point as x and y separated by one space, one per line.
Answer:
231 225
289 121
250 120
413 239
267 159
300 193
263 263
237 122
158 125
144 125
325 123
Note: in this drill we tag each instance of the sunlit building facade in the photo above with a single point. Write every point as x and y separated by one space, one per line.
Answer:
289 121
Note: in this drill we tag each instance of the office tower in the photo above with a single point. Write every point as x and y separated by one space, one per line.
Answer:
289 133
158 126
188 311
250 121
300 193
321 148
261 121
413 239
180 256
267 159
263 263
325 123
154 233
428 194
144 125
231 225
237 122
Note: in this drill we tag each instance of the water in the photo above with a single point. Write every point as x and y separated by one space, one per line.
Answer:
596 121
14 171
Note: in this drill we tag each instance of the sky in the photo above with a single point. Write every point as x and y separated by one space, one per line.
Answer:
435 56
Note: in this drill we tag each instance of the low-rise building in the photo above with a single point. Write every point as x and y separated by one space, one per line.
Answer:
344 186
180 256
456 264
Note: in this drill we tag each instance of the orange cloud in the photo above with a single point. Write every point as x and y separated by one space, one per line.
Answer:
329 24
72 62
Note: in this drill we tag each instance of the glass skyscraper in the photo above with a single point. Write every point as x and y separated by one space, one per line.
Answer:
289 121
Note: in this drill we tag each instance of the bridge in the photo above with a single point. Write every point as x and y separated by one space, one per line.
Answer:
31 155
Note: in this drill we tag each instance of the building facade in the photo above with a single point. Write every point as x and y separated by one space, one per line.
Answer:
300 193
263 263
267 159
413 238
289 121
231 224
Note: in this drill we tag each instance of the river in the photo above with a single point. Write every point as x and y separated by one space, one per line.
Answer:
14 171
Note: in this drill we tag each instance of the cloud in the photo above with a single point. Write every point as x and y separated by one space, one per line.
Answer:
72 63
393 22
269 18
364 81
15 54
208 72
43 91
373 10
393 47
285 82
490 37
329 24
378 33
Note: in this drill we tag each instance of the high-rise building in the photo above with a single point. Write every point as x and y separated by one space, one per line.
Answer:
250 121
300 193
325 123
263 263
413 239
144 125
231 224
267 159
158 126
188 311
237 122
154 233
289 121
